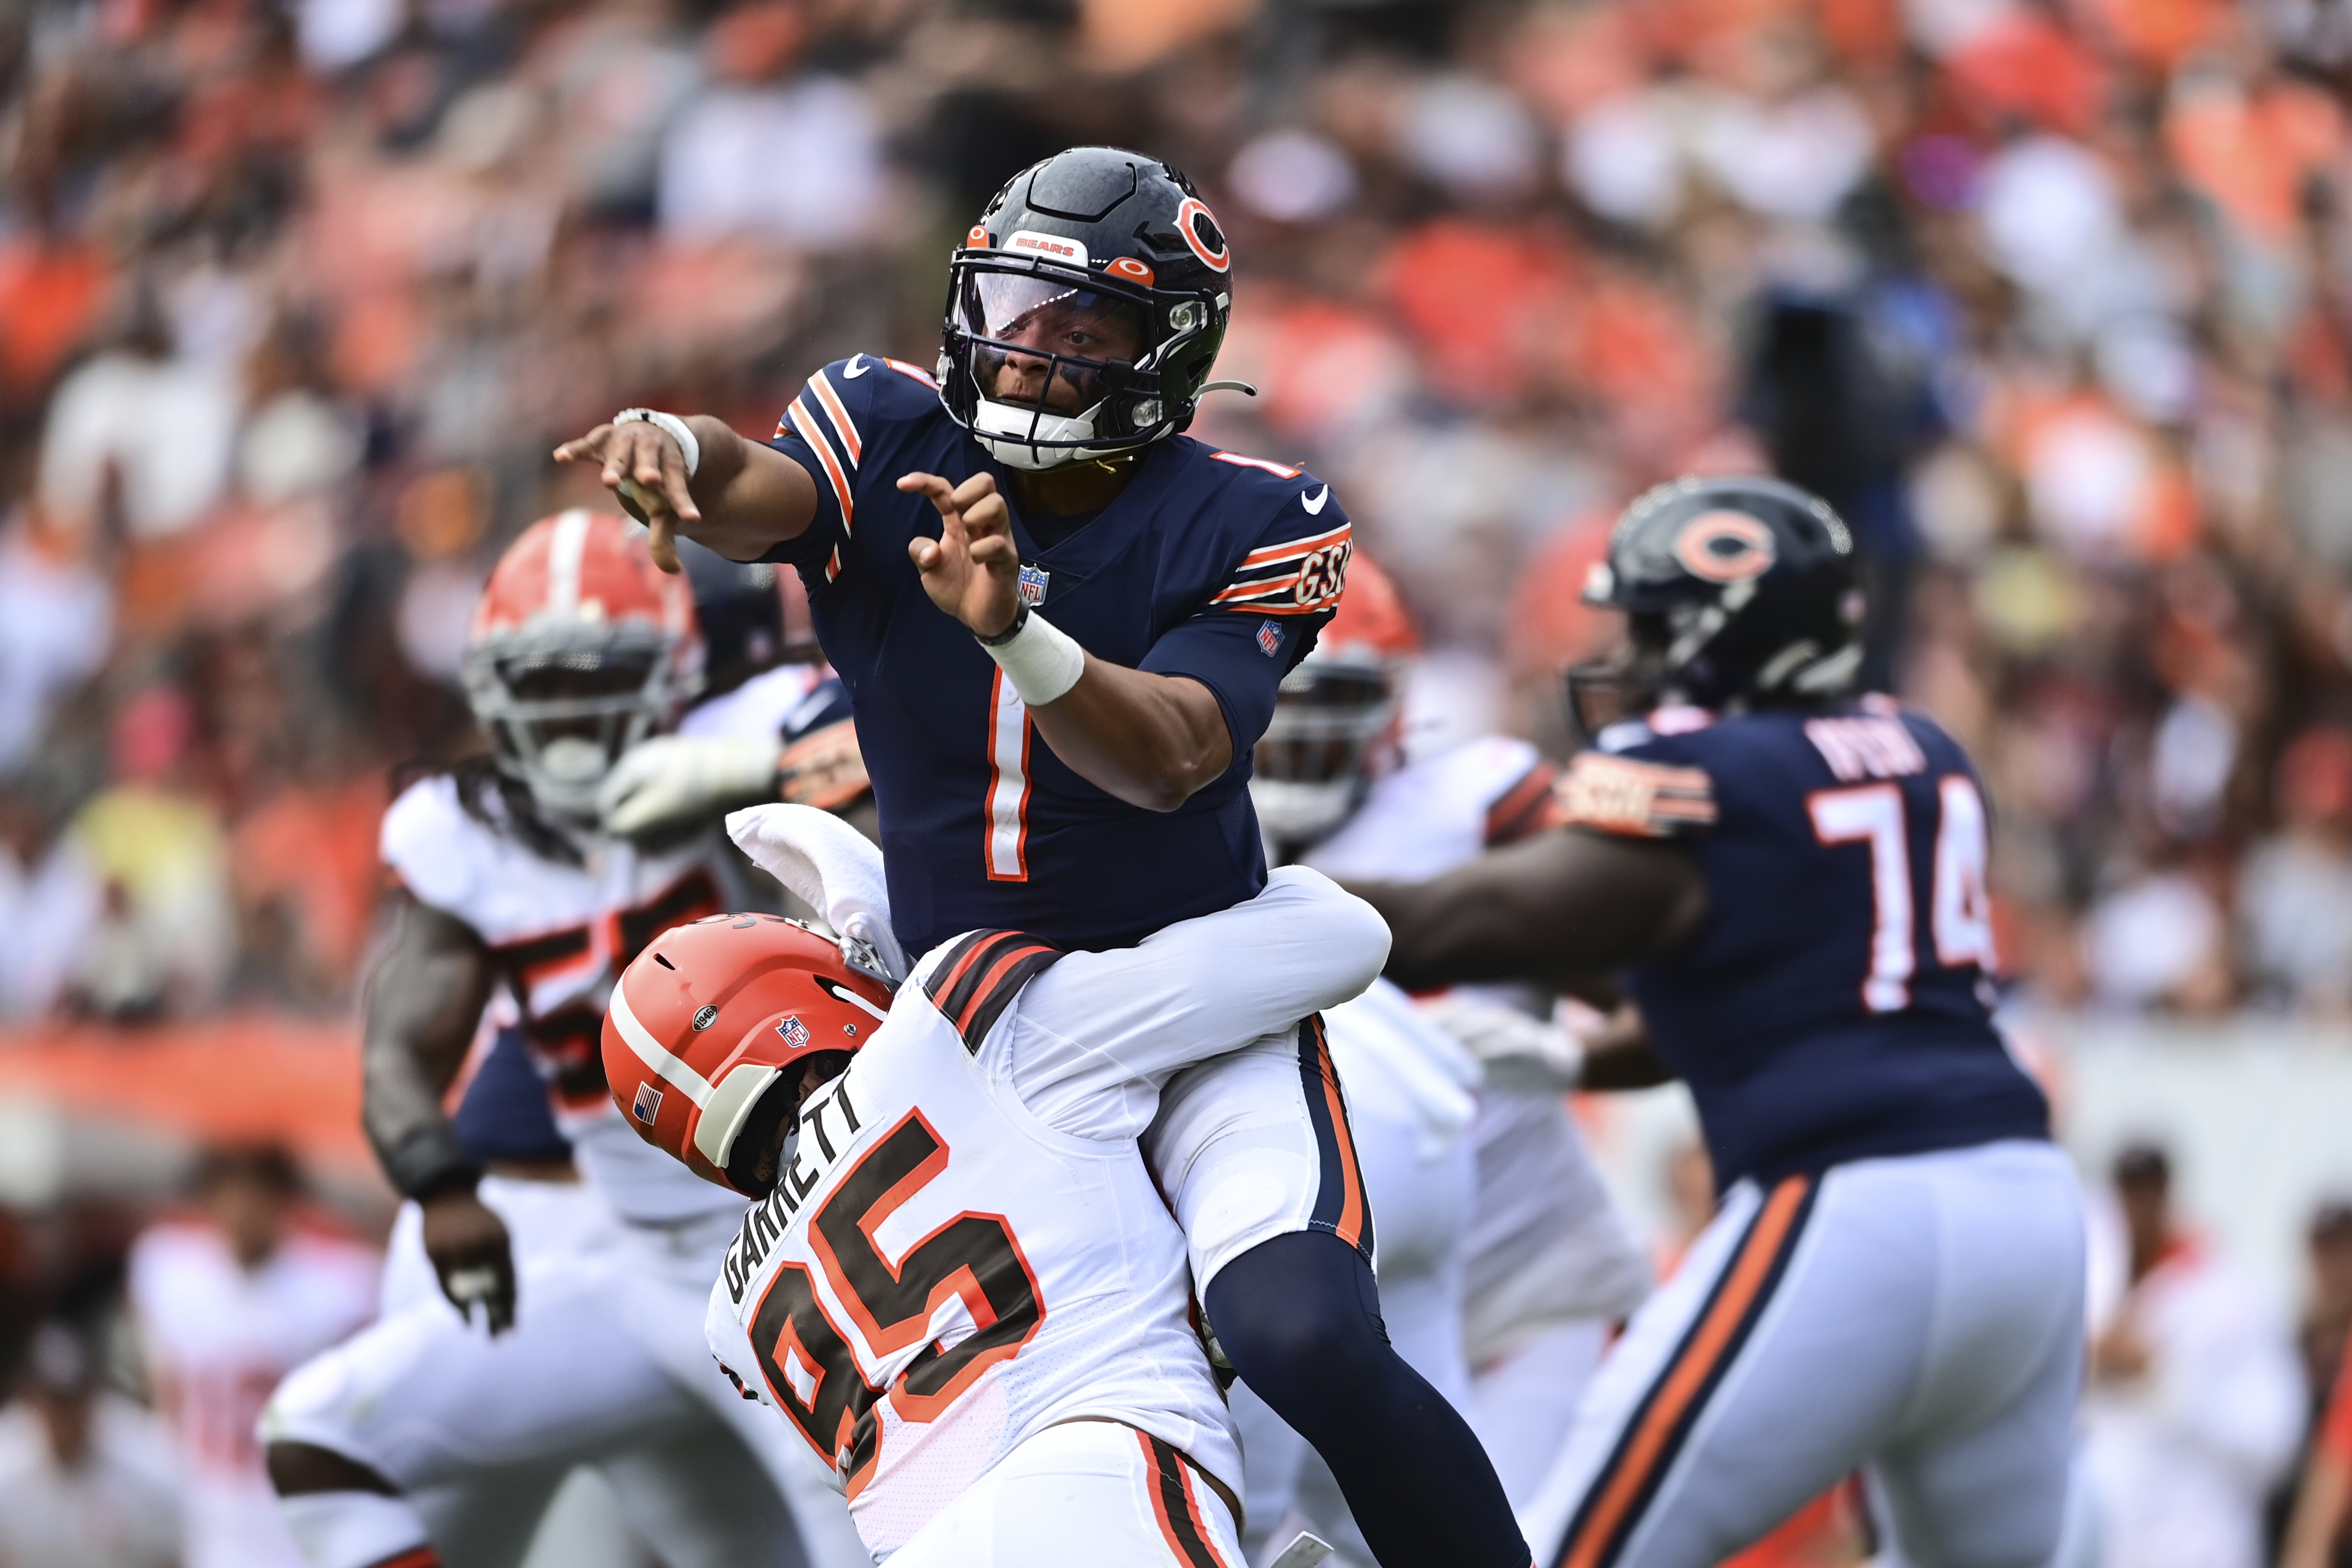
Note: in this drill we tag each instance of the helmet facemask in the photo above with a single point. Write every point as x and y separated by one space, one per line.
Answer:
1318 757
1047 363
563 701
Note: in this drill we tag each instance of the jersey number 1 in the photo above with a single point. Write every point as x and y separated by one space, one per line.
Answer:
1008 785
1961 917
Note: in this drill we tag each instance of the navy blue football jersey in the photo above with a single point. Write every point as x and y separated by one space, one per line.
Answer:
1208 565
1835 1003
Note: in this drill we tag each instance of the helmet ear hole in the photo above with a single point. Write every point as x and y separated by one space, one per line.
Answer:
753 1163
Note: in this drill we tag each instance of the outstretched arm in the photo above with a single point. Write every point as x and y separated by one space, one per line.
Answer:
1150 739
744 501
1548 909
424 1003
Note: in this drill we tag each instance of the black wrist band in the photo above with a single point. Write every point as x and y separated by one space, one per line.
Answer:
1020 619
428 1163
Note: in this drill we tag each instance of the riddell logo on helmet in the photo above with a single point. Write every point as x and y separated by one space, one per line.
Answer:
1070 250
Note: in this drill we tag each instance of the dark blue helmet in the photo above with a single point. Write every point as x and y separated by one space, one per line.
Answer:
1085 309
1738 593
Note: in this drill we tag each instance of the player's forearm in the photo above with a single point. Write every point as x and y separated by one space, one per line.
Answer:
422 1004
1150 740
752 498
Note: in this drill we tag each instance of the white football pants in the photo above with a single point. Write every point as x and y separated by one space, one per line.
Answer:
1422 1192
1919 1316
1086 1494
605 1366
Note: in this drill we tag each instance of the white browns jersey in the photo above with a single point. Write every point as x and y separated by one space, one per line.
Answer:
560 935
218 1338
1431 816
966 1247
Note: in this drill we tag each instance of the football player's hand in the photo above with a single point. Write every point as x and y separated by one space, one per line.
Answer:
670 780
972 570
644 465
469 1246
1517 1050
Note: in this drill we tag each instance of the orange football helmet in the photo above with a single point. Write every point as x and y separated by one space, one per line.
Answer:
581 647
1335 714
710 1016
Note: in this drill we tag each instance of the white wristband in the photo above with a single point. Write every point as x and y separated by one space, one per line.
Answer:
1042 660
678 430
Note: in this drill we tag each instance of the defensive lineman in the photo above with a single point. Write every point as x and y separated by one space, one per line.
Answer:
1794 883
428 1435
961 1284
1085 777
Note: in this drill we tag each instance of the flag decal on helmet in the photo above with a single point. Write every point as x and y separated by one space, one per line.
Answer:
793 1032
648 1105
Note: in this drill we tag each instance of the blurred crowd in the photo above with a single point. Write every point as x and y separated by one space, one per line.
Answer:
2052 298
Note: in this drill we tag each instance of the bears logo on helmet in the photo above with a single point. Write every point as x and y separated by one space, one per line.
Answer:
711 1094
1738 592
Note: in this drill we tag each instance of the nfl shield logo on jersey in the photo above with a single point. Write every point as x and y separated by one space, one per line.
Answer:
794 1033
648 1105
1033 586
1269 639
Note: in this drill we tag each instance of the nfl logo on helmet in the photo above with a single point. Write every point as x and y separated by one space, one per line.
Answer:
794 1032
648 1105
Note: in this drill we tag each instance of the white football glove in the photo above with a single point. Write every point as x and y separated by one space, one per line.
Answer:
1518 1051
833 868
670 780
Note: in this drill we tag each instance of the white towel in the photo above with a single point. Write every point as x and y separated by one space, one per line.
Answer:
829 866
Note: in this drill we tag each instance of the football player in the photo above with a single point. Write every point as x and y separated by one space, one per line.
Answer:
427 1431
1065 750
961 1286
1792 881
1502 1261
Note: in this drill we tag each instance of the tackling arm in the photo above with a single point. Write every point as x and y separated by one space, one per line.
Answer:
424 1003
1548 909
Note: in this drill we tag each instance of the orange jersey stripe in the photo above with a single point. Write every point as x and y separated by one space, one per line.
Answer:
1741 1284
839 415
1277 469
1269 555
824 455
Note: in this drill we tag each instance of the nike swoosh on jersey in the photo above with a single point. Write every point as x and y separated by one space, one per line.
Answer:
853 370
1314 503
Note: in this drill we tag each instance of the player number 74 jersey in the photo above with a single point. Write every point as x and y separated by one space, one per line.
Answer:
939 1275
